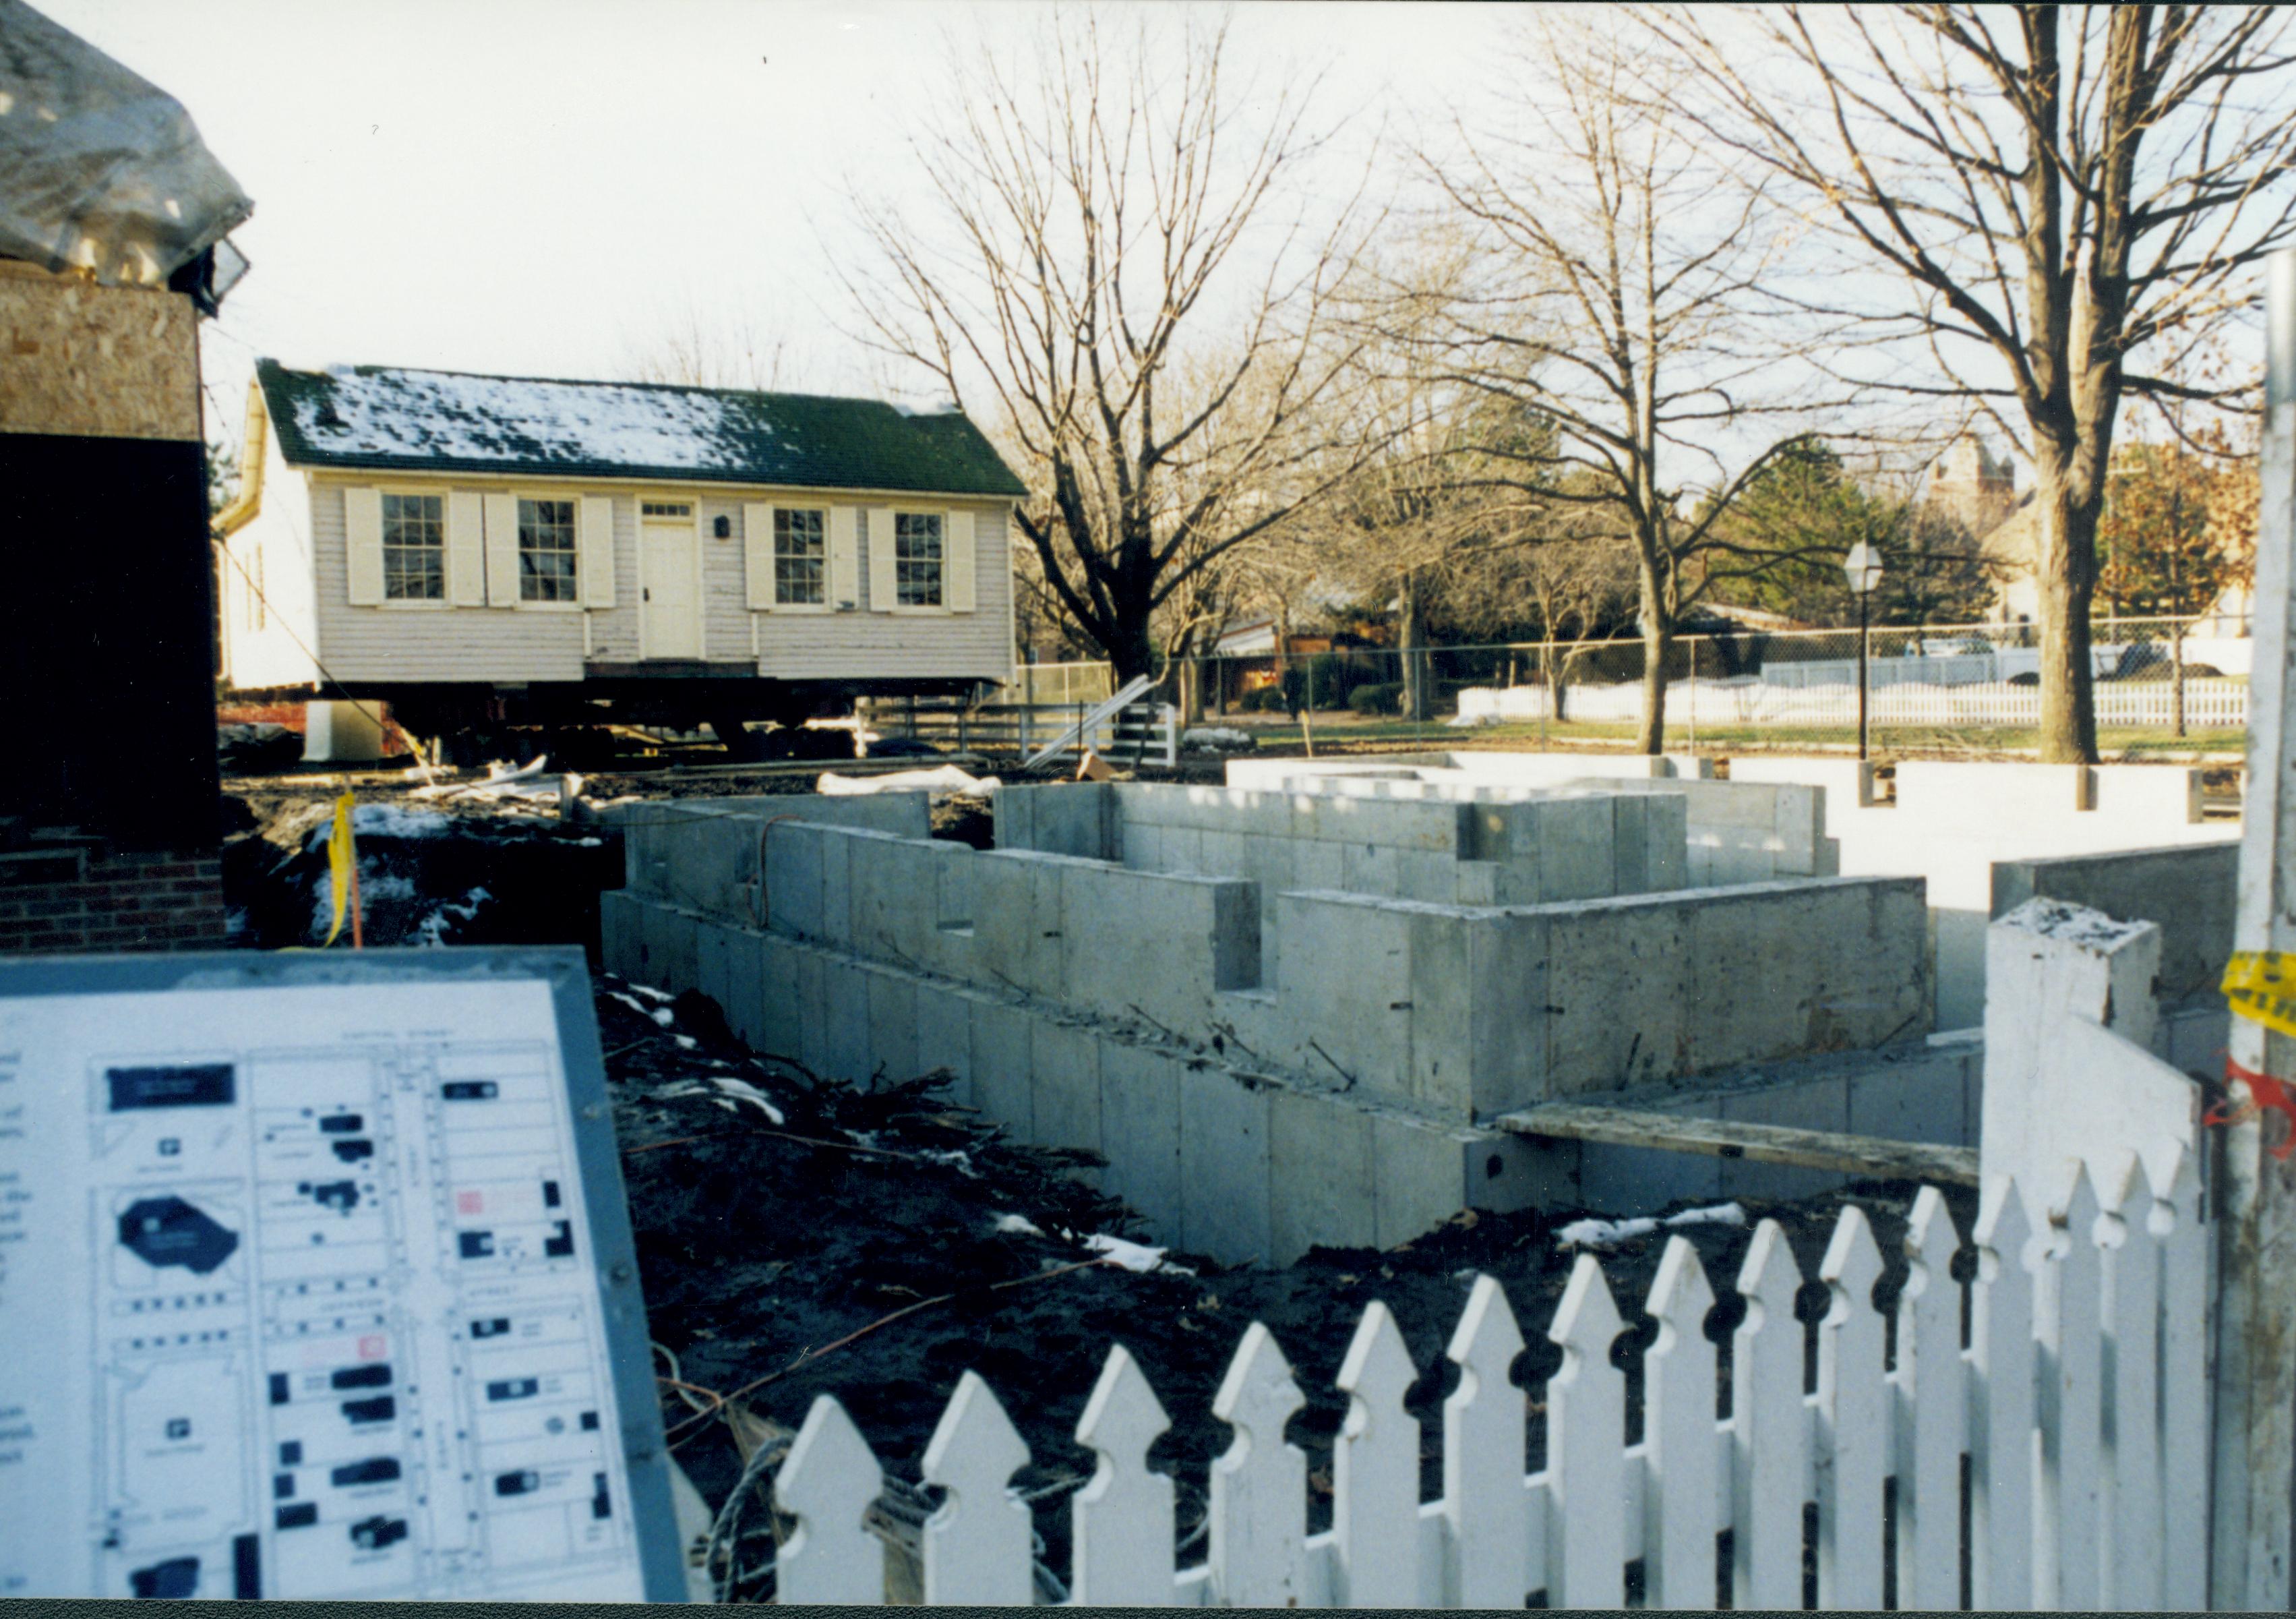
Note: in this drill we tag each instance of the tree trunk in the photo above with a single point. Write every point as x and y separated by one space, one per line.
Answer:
1658 641
1417 699
1191 688
2067 577
1132 650
2177 674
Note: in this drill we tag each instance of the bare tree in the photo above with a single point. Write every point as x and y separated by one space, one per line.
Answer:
1619 294
1108 259
2051 190
697 349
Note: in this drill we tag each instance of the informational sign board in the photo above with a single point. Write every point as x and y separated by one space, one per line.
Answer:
316 1282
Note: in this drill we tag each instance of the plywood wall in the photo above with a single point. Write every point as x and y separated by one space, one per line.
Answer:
89 361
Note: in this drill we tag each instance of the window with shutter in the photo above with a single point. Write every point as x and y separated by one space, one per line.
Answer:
414 549
917 559
546 551
800 556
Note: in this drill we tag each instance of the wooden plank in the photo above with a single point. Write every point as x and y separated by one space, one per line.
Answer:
1818 1150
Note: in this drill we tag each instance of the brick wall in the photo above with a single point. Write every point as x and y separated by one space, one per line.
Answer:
80 897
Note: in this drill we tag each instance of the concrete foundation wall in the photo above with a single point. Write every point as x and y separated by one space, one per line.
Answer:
2189 890
703 853
1732 832
1952 822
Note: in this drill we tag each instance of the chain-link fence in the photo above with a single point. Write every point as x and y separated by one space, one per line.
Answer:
2159 682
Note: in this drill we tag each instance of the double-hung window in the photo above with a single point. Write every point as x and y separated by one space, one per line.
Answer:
546 550
800 557
414 549
917 558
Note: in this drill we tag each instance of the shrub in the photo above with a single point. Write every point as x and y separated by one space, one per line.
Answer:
1266 700
1384 698
1332 677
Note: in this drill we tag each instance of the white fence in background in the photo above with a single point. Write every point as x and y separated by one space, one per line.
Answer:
2080 1404
1747 700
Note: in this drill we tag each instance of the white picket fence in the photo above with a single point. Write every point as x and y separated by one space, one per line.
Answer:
2080 1398
2209 704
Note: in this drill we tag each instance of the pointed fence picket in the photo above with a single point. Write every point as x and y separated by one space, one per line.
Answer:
2076 1409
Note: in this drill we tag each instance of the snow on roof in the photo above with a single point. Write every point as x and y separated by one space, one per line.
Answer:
382 416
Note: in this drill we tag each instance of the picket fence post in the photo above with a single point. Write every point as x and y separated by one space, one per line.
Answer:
2132 1473
1682 1446
1496 1548
1769 1428
2001 1462
1260 1484
1375 1471
1123 1514
2184 1371
976 1548
827 1482
1930 1409
1853 1409
1586 1448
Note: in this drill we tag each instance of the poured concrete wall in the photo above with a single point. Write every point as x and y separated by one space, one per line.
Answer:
1329 1098
1440 852
1731 833
1952 822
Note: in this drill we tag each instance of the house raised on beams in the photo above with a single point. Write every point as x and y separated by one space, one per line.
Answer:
484 551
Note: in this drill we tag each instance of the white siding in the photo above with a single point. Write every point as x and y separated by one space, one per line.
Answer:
976 644
523 643
254 659
403 643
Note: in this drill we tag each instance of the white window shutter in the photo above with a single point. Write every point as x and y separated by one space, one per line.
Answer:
466 551
884 580
363 544
593 542
757 550
501 550
956 563
844 558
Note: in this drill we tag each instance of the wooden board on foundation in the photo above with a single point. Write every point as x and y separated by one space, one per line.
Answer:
1864 1155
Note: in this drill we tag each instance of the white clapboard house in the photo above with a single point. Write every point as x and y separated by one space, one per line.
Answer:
479 551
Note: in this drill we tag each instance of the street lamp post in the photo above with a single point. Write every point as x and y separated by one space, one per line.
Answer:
1863 568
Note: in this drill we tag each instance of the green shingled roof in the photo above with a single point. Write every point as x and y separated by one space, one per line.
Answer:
444 421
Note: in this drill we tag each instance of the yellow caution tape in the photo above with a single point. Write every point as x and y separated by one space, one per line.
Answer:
338 862
2261 986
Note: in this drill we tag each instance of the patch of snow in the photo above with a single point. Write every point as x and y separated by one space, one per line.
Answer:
686 1042
649 991
1216 739
1133 1256
1021 1224
1611 1233
432 929
504 419
390 821
959 1161
742 1090
660 1014
947 778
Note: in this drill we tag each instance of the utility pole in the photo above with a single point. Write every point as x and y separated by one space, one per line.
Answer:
2251 1194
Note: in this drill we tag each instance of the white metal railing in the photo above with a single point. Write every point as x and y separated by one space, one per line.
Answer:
1037 685
1088 722
2081 1404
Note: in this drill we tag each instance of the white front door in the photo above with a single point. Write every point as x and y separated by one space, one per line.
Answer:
672 606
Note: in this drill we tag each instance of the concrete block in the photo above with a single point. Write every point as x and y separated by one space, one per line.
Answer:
1070 819
783 1018
1221 854
1503 1173
1799 820
894 888
1625 1181
1320 1175
1430 878
837 888
1666 836
1576 856
944 1036
812 1013
1372 869
1621 982
1000 1066
1143 847
1443 1006
1013 812
1140 1131
1182 848
1317 865
621 931
1156 944
1017 923
666 958
1507 1009
1223 1168
745 954
1417 1180
711 942
1477 882
1629 842
2188 888
1923 1100
2142 797
1065 1088
847 1049
1345 983
892 999
1399 824
792 866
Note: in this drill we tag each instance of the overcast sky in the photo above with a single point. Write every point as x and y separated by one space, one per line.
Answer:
552 189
